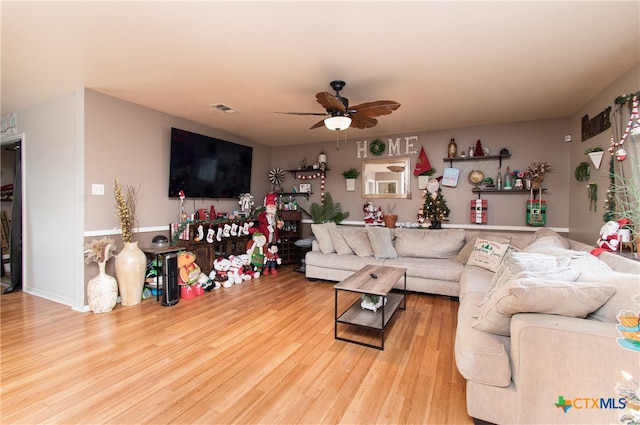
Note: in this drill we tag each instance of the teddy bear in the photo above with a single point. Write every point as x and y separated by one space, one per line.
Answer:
188 270
220 273
246 267
236 270
255 249
271 258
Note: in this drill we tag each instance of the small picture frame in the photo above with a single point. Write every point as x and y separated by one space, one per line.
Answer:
305 187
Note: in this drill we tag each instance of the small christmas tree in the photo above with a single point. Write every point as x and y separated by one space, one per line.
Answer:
435 208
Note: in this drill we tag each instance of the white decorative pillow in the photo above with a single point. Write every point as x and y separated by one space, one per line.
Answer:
321 232
339 243
381 243
516 262
359 242
487 254
535 295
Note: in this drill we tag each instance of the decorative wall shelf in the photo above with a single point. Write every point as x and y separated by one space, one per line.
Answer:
306 194
490 190
476 158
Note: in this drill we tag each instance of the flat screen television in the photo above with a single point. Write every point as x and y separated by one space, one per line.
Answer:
206 167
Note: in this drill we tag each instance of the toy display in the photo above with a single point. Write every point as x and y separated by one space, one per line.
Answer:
271 259
255 249
236 270
609 239
268 221
220 274
247 268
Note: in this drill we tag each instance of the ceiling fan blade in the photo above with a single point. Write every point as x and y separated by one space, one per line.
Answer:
317 125
375 109
303 113
362 122
330 102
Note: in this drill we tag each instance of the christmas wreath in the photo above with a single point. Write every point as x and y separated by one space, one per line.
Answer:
377 147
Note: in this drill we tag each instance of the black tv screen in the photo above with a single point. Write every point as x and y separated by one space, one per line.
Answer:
206 167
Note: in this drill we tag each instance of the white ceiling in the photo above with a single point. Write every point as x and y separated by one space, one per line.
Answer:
450 64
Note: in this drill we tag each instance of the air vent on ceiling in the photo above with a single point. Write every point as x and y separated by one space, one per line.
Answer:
224 108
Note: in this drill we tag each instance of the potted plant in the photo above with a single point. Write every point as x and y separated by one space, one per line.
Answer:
351 175
389 217
595 154
424 177
327 211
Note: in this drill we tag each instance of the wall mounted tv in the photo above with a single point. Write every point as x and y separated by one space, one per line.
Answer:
206 167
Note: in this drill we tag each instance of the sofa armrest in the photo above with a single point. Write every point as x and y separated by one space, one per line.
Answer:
554 356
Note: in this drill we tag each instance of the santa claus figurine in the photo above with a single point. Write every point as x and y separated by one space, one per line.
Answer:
268 221
609 239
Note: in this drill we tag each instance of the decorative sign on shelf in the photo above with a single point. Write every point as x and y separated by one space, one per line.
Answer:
595 125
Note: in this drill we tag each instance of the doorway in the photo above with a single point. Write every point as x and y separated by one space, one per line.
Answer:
12 213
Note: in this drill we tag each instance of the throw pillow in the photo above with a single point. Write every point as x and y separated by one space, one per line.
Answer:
516 262
339 243
381 243
467 249
321 232
487 254
535 295
359 242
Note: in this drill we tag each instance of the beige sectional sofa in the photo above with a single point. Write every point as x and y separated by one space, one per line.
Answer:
537 321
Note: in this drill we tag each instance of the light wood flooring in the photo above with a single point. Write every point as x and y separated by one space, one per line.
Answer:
260 352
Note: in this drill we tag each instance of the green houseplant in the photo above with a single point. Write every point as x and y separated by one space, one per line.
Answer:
350 177
327 212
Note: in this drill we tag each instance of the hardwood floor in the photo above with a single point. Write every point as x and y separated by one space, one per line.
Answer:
260 352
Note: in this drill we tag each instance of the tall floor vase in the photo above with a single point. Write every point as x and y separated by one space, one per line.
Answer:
131 264
102 291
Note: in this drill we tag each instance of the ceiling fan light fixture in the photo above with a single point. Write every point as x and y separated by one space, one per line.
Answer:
337 123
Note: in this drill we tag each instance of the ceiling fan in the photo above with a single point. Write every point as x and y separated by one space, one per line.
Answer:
342 116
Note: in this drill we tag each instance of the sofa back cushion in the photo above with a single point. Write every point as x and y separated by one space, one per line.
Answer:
428 243
381 243
321 232
627 286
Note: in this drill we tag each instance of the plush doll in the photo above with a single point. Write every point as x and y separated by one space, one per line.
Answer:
206 283
268 221
369 213
188 270
609 239
236 270
220 272
271 258
246 267
255 249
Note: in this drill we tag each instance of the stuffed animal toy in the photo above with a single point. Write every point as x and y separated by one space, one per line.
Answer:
188 270
609 239
220 272
255 249
268 221
271 258
206 283
369 213
236 270
246 267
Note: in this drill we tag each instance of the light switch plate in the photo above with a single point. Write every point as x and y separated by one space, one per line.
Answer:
97 189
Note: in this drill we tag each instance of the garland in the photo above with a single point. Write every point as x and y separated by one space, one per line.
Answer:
377 147
321 176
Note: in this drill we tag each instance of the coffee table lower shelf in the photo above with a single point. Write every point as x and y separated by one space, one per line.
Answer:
378 320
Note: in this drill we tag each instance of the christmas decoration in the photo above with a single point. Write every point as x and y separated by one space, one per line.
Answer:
377 147
435 206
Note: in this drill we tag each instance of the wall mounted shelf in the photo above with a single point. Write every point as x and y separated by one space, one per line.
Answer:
476 158
490 190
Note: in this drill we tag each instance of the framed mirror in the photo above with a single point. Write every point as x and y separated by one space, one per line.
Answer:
386 178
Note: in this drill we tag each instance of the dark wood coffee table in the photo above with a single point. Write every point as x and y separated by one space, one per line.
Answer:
362 282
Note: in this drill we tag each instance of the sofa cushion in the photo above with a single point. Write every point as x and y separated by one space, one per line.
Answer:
420 243
339 243
359 242
481 357
627 286
530 294
340 262
321 232
446 269
487 254
381 243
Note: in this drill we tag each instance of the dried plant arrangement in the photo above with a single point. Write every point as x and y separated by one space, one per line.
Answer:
125 209
99 250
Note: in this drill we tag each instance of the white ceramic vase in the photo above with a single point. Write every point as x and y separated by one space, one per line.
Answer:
102 291
131 265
